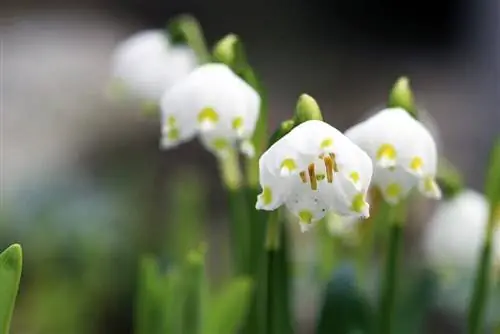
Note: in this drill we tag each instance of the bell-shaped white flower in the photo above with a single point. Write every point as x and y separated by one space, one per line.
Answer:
145 65
403 151
455 233
213 102
312 170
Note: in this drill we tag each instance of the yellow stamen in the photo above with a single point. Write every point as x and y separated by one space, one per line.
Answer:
320 177
303 177
312 177
335 167
329 162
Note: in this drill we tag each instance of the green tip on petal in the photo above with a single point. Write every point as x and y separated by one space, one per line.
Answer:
229 50
307 109
401 96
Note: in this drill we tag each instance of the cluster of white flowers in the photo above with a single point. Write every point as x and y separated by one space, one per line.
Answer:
313 169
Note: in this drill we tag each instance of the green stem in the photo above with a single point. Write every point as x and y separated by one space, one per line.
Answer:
238 207
273 231
482 282
390 280
186 29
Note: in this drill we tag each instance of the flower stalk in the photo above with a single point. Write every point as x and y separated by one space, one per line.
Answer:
482 283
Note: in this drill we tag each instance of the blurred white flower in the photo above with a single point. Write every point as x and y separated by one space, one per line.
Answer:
403 151
213 102
454 236
145 65
312 170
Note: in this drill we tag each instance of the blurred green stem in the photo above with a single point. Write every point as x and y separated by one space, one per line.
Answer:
396 219
482 282
11 263
186 29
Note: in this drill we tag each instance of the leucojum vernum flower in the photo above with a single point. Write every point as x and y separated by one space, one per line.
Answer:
403 151
213 103
312 170
146 64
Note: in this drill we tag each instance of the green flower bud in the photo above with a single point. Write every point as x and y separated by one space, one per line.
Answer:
401 96
307 109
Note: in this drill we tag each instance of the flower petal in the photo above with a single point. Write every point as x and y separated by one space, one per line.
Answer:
394 183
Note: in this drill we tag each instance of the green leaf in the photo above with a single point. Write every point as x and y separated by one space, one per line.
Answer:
11 261
492 187
416 299
229 307
345 308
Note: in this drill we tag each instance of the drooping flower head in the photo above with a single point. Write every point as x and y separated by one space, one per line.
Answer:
403 151
213 102
312 170
145 65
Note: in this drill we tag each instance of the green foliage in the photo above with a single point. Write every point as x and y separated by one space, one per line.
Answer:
11 261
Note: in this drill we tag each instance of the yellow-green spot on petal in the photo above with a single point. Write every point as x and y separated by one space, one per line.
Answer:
173 134
393 190
305 216
289 164
320 177
358 203
208 115
237 123
267 196
220 144
150 108
429 184
326 143
171 121
354 177
386 151
416 164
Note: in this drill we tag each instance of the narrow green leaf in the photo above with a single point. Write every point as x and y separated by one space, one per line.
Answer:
492 187
11 261
229 308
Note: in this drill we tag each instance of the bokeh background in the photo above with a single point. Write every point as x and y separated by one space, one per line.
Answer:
85 188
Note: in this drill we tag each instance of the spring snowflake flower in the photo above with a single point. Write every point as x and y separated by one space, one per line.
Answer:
145 65
403 151
214 103
312 170
455 234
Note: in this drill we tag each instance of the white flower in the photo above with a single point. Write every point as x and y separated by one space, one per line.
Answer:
312 170
215 103
403 151
455 234
145 65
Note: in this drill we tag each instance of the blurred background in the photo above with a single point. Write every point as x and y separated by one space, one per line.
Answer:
85 188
